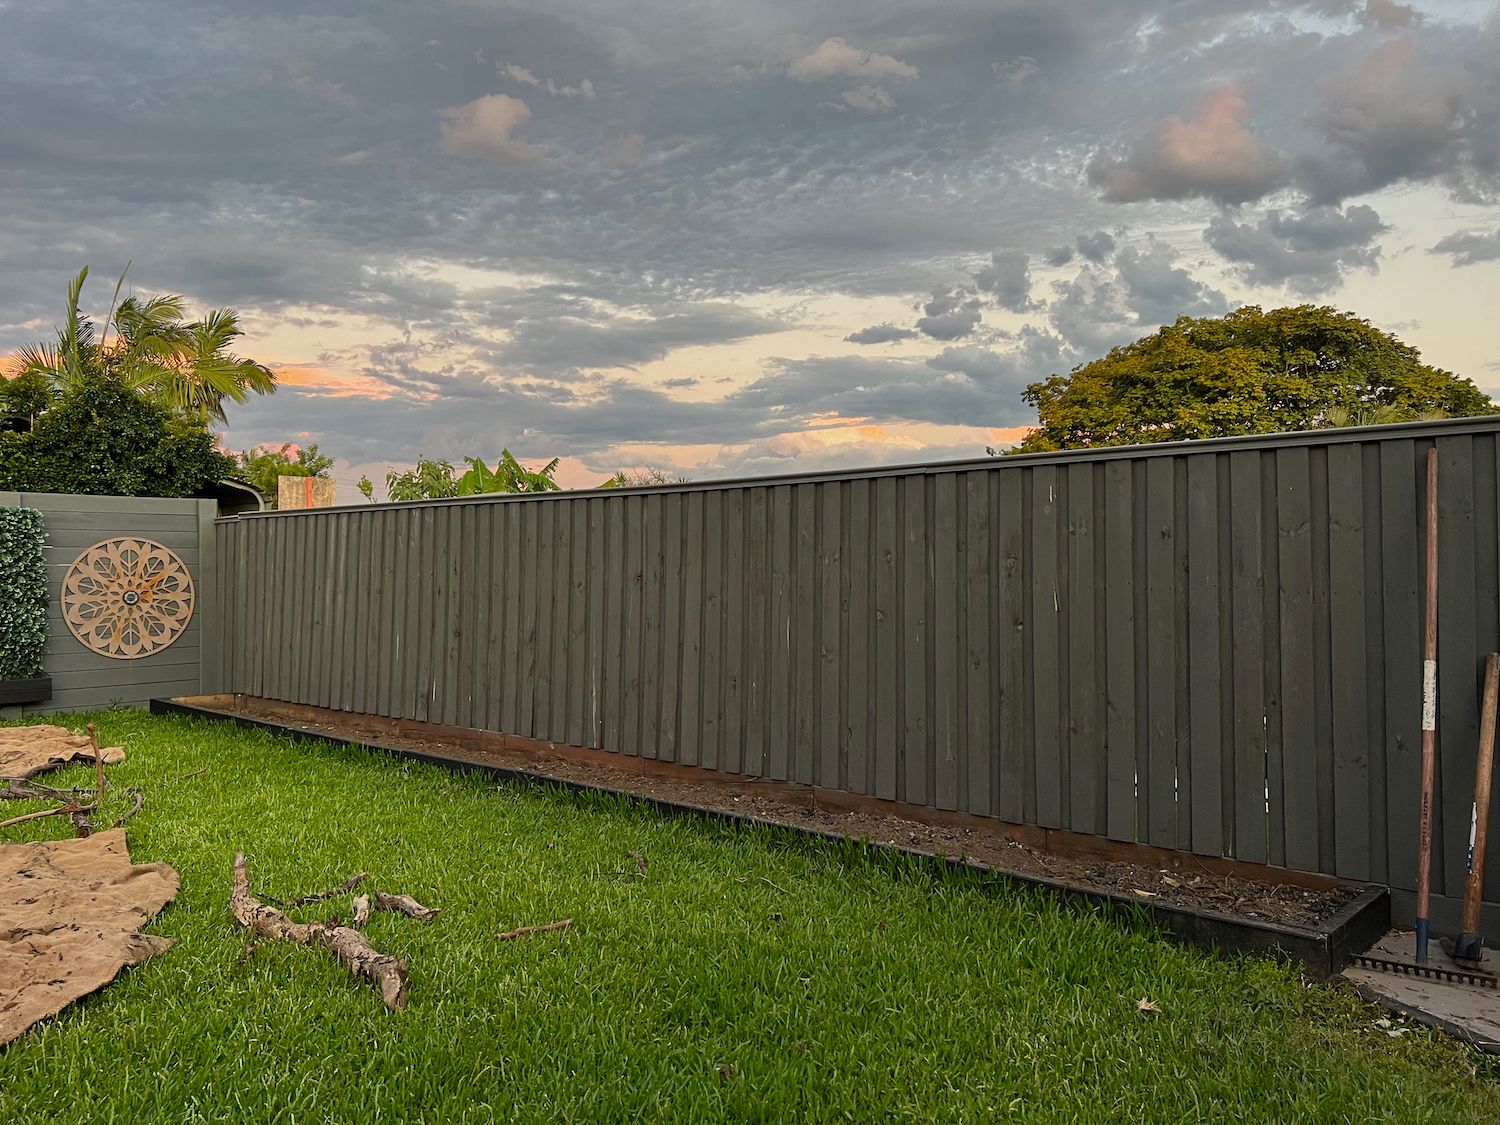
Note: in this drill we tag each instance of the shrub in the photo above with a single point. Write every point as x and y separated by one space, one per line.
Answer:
23 593
104 439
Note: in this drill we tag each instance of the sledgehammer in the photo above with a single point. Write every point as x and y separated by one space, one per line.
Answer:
1469 948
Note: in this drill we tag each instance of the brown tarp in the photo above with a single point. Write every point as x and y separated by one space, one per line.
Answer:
69 912
28 751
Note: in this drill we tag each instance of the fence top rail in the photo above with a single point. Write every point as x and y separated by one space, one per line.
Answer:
1446 427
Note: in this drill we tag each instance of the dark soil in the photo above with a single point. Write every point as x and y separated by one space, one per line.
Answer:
1187 883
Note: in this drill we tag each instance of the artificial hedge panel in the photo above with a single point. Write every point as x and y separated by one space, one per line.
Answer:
23 593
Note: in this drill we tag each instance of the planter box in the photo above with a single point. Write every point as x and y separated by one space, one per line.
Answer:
13 692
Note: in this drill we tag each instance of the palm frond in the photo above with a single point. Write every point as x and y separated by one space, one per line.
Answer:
113 301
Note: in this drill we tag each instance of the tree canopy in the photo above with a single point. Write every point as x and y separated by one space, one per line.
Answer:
124 409
1245 373
102 438
436 480
184 365
262 467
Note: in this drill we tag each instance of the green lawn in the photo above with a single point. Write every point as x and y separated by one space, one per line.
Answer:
749 976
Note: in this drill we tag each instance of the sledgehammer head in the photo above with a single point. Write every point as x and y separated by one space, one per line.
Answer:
1468 950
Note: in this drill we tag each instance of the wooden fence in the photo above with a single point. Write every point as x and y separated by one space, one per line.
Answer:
1210 646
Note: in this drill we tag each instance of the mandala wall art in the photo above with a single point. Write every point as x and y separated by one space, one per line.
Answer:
127 598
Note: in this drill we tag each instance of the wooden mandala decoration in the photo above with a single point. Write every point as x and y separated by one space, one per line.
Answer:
127 598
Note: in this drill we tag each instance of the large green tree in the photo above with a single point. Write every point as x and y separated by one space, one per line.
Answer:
1245 373
101 437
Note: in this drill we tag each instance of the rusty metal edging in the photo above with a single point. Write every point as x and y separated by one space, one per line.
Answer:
1320 951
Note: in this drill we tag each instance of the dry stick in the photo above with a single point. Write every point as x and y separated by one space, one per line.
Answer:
140 803
98 759
361 911
403 904
30 791
342 889
181 777
1429 712
524 930
386 973
61 810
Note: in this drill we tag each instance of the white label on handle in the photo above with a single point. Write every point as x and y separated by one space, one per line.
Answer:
1429 695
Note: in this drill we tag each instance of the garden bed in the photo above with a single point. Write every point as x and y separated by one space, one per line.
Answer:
1211 902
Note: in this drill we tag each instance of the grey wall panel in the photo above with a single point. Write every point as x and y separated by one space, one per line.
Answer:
1213 647
84 680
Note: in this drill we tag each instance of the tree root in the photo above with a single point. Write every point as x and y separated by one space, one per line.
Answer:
387 974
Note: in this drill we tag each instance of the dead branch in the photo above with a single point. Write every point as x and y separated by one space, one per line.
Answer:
140 803
98 759
361 911
386 973
403 904
342 889
31 791
61 810
524 930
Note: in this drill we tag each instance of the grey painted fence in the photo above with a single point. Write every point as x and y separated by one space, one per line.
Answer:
83 680
1211 646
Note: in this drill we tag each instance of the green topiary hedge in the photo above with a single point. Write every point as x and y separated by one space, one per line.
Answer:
23 593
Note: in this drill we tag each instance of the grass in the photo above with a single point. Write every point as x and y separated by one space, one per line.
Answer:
750 976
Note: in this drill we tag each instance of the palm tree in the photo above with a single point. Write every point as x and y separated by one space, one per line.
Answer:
185 365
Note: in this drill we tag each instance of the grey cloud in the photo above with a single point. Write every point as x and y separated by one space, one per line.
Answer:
1390 117
1210 155
1309 253
700 178
1389 14
880 334
951 314
1096 247
1057 256
1470 246
561 332
1016 71
1008 279
1159 291
1003 375
1092 313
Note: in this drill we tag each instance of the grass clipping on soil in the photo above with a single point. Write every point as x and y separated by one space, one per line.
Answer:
69 912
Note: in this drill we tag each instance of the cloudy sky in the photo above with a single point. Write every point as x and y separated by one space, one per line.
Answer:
739 237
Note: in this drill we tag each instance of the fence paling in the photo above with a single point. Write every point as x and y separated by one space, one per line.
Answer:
1211 649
